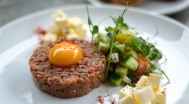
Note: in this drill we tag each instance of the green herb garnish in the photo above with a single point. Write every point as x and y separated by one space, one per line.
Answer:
93 28
128 50
58 84
160 70
148 51
86 74
112 35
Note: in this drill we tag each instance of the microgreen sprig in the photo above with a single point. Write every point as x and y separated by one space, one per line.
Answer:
159 70
148 51
138 44
112 35
93 28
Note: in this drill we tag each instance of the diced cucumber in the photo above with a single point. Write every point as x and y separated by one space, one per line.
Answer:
120 47
116 80
130 53
122 71
126 80
96 40
115 57
111 69
130 63
102 37
103 46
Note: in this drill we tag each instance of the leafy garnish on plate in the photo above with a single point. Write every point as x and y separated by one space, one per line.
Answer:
127 54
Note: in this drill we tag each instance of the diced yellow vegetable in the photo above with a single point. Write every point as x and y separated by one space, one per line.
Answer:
126 35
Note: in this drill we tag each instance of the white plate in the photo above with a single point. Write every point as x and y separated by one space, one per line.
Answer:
159 6
18 41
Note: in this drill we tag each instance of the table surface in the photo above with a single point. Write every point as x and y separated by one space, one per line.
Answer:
12 9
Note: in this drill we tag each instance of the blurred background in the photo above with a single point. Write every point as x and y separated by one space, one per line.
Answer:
13 9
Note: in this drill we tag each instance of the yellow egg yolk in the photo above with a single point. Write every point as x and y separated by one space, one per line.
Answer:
65 54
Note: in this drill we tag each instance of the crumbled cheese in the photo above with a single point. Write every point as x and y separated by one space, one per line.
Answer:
72 27
154 79
49 37
144 95
125 91
127 100
142 81
160 96
147 91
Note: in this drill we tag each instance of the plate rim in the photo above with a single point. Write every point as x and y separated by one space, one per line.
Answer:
75 6
133 9
174 10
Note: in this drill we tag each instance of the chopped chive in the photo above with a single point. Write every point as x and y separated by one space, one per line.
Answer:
58 84
86 74
95 50
103 56
80 81
36 69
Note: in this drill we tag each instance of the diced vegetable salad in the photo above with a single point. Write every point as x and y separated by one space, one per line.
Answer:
128 55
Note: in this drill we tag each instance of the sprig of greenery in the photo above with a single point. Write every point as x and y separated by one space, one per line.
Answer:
145 48
148 51
112 33
138 44
93 28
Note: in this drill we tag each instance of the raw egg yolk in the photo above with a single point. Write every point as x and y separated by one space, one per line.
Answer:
65 54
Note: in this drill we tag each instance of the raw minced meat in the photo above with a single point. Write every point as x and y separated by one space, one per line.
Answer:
71 81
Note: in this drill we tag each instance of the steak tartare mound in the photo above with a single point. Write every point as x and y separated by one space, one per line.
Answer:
71 81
